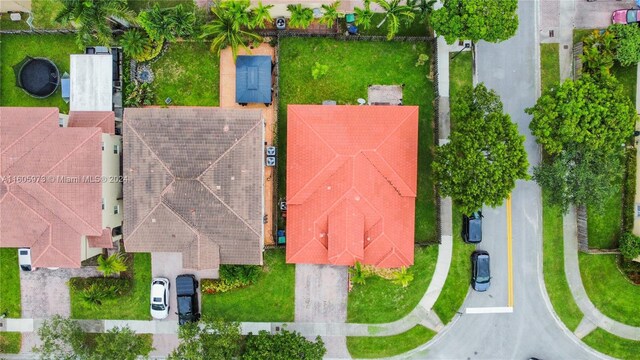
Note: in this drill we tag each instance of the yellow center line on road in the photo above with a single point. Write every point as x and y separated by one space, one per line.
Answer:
509 254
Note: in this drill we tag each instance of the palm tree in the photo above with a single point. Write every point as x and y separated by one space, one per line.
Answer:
402 277
112 265
91 18
261 16
238 11
357 274
227 30
134 43
394 14
331 14
421 8
301 17
364 16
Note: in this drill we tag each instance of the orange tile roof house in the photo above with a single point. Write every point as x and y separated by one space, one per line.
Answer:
351 184
51 187
195 184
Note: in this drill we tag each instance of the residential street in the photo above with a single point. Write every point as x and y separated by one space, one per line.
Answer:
531 330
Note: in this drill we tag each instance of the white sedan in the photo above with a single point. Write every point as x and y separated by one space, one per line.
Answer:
159 298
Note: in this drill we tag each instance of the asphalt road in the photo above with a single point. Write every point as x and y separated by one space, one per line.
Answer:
531 330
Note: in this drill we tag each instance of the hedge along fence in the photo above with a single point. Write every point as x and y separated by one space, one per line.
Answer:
629 190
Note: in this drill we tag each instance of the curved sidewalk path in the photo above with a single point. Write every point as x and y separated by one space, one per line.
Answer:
593 318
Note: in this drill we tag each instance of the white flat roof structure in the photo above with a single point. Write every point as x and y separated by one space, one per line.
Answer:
91 82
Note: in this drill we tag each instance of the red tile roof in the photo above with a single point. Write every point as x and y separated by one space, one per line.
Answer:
48 214
351 184
102 119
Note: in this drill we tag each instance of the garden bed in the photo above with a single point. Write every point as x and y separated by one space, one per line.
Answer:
353 65
14 48
132 287
269 298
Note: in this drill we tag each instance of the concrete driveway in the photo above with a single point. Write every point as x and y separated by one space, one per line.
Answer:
45 293
597 14
169 265
321 297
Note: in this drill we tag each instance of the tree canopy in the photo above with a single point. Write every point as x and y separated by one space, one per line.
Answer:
628 50
592 113
485 155
284 346
215 340
489 20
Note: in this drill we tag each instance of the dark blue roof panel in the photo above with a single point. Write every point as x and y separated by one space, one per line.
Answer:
253 79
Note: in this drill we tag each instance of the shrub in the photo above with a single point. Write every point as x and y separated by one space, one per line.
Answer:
402 277
318 70
141 94
113 265
168 23
115 286
598 52
630 246
629 190
628 50
151 51
422 59
301 17
212 286
357 274
244 274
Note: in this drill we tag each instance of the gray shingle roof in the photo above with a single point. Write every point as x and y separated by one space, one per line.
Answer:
194 184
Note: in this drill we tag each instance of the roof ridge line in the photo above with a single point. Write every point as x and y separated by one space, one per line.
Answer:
229 207
96 129
231 148
144 218
380 172
28 207
321 171
30 130
153 153
69 209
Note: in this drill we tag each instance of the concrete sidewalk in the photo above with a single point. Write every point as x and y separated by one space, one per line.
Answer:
572 271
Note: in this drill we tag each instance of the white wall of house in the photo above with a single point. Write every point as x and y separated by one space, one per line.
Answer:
87 252
112 187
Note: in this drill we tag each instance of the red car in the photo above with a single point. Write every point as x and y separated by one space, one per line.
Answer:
626 16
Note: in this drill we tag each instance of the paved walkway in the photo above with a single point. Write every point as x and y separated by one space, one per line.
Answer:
228 100
45 292
592 316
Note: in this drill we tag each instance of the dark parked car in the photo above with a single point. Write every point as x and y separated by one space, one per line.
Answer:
187 292
624 16
480 270
472 228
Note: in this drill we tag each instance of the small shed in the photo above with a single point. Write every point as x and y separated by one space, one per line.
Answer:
253 79
91 85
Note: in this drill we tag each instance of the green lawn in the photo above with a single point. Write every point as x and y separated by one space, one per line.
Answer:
353 65
270 298
456 286
10 342
9 283
45 12
381 301
134 306
7 24
604 225
14 48
371 347
609 290
189 74
460 73
626 75
550 65
555 279
612 345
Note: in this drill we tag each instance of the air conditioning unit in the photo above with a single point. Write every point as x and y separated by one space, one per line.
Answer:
271 151
271 161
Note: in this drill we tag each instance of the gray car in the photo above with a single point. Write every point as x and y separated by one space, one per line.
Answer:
480 270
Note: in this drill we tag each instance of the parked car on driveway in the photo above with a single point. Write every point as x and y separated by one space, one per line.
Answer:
187 293
626 16
159 298
472 228
480 270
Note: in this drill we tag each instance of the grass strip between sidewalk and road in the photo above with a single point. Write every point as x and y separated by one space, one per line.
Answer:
270 298
550 65
555 279
456 286
371 347
612 345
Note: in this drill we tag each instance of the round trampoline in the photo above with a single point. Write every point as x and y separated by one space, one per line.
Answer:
39 77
